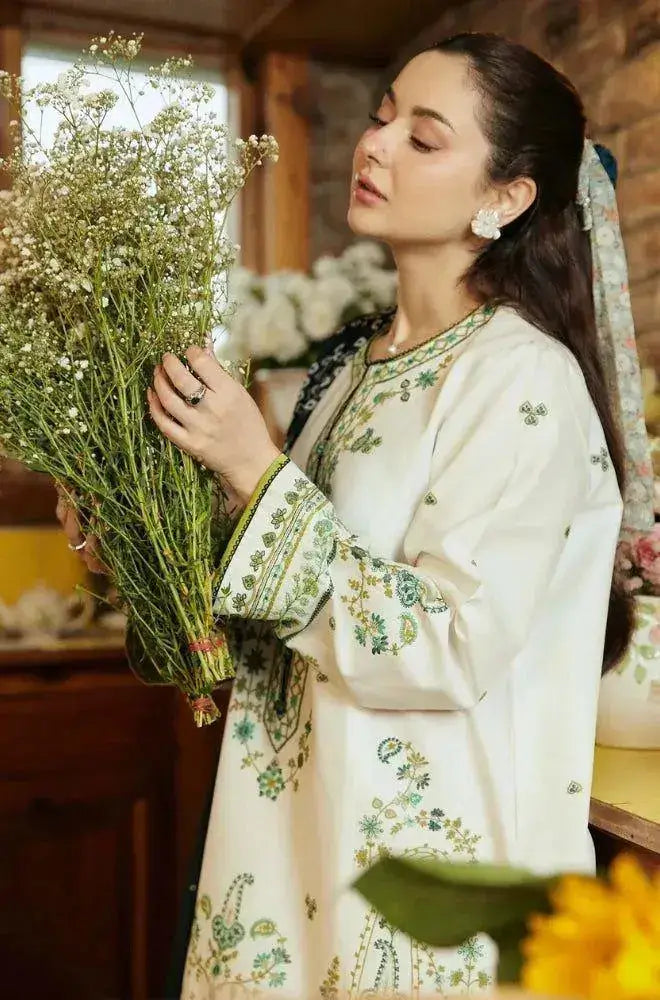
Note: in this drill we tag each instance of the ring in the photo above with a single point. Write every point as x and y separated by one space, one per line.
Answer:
197 396
77 548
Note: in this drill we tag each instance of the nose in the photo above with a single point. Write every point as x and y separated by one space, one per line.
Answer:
373 148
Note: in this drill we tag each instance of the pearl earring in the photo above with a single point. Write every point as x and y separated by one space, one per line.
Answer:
486 224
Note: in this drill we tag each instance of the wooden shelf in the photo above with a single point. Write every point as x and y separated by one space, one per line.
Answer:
625 799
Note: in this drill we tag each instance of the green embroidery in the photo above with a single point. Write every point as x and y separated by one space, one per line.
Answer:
330 985
271 781
257 693
311 906
532 413
305 595
394 582
601 459
379 828
225 935
430 499
574 787
371 385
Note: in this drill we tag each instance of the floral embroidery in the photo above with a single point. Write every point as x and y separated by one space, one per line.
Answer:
532 413
410 591
379 827
257 696
574 788
430 499
271 781
311 906
601 459
225 935
307 587
371 385
329 986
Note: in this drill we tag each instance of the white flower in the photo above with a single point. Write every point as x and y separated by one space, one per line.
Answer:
79 375
326 266
319 316
84 364
26 348
383 286
72 411
64 362
273 331
364 254
104 301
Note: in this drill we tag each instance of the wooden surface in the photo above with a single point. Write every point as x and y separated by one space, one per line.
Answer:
625 796
335 30
103 782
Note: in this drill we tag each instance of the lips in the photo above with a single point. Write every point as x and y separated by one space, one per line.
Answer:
365 184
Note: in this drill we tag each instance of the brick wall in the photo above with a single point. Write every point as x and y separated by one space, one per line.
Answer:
611 51
341 99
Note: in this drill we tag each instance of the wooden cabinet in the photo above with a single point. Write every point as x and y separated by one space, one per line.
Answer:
103 782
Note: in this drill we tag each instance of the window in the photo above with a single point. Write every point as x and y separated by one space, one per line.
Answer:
44 63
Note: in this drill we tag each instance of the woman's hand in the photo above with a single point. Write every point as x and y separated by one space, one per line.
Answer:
66 515
224 431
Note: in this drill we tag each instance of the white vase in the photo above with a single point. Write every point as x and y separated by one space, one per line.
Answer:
629 702
278 390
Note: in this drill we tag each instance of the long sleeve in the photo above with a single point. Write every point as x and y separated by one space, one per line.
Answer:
435 628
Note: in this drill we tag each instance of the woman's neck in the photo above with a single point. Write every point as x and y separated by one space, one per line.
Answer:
431 296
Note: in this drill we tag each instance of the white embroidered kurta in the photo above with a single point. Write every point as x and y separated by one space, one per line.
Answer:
419 596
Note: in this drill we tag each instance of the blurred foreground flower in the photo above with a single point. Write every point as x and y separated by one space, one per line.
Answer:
568 936
602 941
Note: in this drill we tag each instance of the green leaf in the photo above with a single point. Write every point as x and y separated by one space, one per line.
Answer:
445 903
205 906
263 928
377 804
640 673
649 652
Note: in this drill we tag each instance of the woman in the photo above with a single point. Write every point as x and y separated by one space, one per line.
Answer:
418 594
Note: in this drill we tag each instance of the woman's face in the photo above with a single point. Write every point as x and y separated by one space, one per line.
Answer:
426 156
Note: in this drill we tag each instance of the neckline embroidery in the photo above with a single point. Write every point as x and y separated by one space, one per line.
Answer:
425 351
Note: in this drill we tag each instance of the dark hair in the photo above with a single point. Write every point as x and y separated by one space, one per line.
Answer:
534 121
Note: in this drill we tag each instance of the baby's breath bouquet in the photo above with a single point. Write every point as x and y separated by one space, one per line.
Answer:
113 251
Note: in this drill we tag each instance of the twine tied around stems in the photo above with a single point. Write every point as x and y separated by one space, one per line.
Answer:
204 709
207 645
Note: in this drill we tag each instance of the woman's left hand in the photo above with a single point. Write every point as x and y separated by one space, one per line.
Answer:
224 431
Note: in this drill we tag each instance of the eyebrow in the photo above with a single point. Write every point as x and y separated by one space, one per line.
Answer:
420 112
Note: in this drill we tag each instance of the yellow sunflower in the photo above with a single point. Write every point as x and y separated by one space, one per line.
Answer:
602 942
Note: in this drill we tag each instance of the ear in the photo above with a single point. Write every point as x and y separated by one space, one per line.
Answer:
515 198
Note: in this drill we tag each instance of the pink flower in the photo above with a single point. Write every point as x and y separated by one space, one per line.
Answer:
654 635
647 556
632 584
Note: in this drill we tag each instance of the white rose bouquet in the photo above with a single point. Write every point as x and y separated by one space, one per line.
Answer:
112 252
280 319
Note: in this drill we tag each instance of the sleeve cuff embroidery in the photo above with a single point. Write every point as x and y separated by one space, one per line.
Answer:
270 571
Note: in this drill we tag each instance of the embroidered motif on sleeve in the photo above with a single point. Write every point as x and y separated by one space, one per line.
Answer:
532 413
601 459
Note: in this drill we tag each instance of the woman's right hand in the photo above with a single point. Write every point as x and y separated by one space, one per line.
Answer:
66 515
